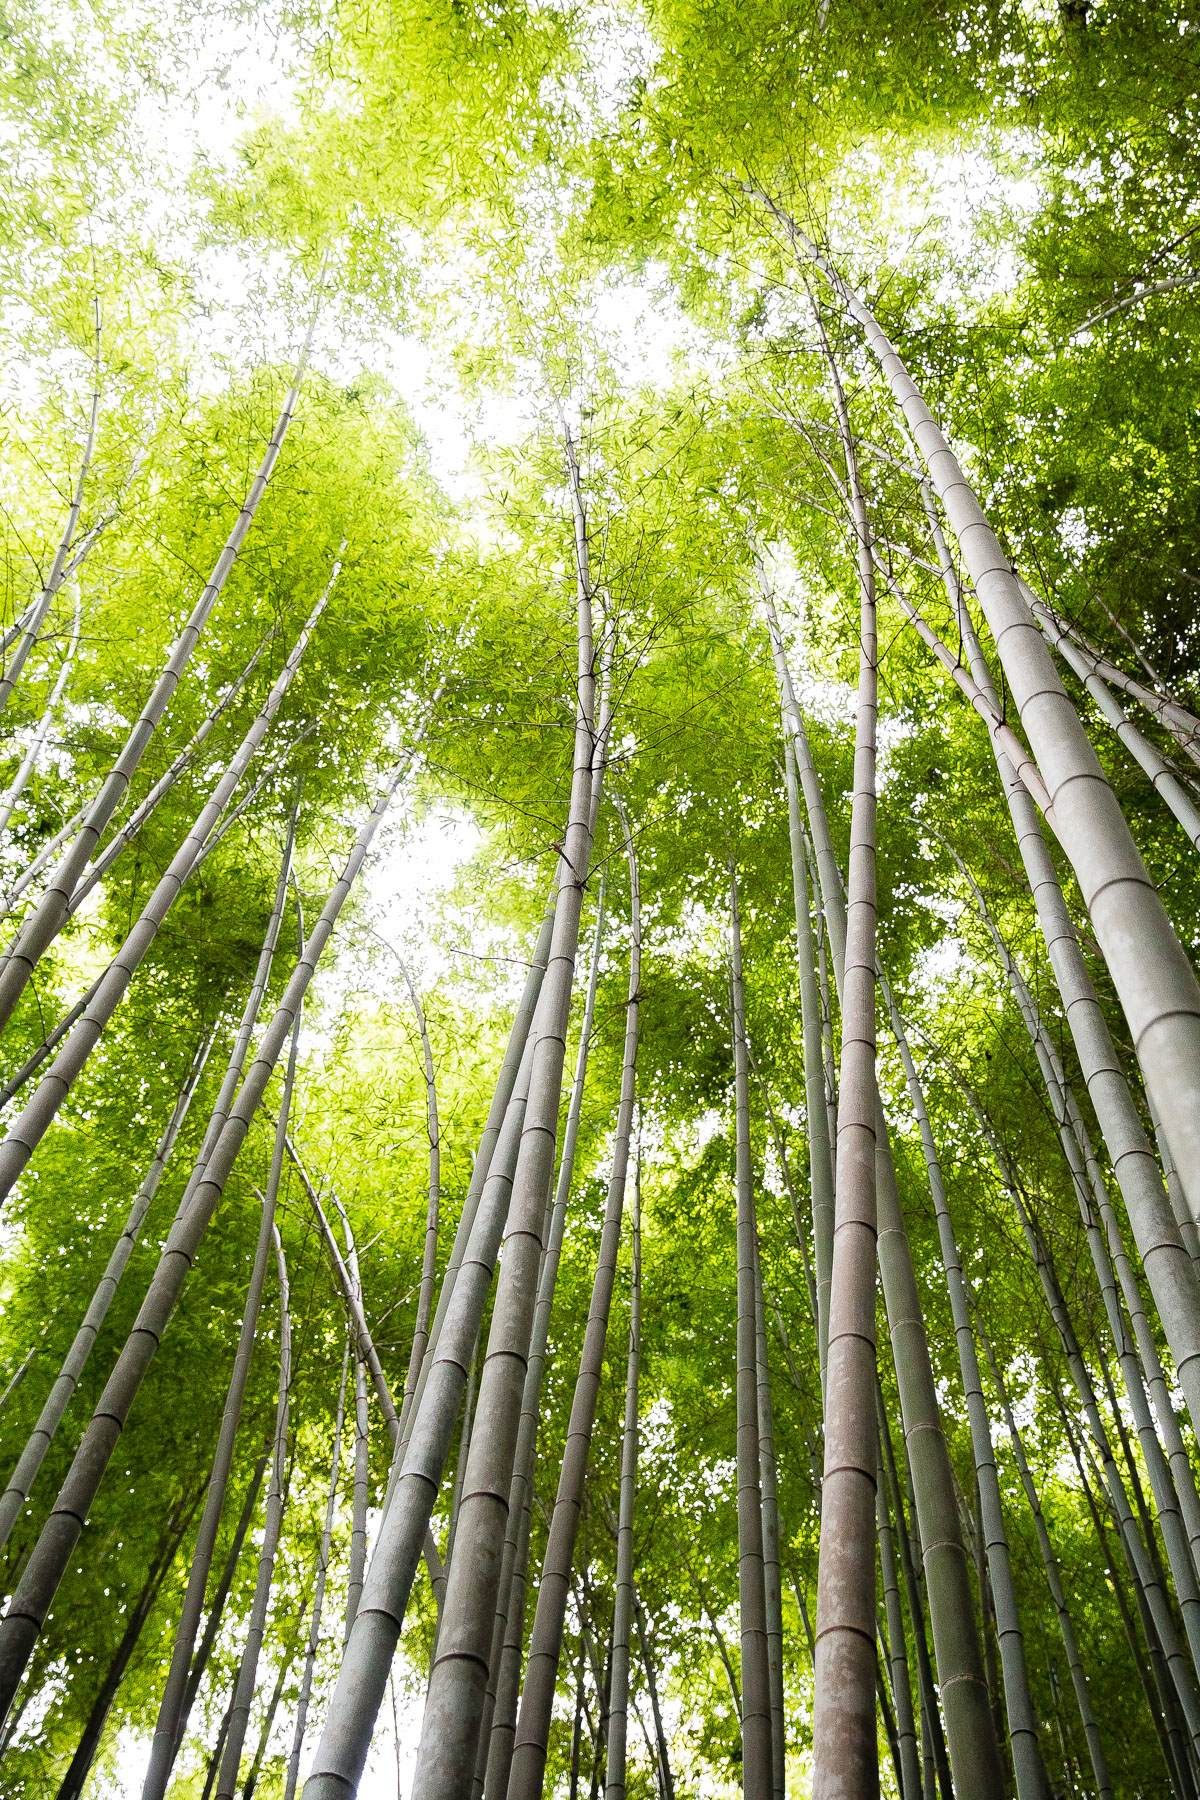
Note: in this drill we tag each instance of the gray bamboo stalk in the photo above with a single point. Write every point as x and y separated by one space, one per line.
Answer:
1154 980
1183 726
216 1611
666 1782
970 1732
243 1693
1189 1231
772 1578
58 565
35 1591
1180 1670
1159 773
346 1270
20 780
22 1371
960 1663
29 1463
47 917
1158 1222
936 1765
460 1672
464 1450
371 1641
362 1443
618 1705
80 1766
788 1183
909 1764
820 1161
527 1773
314 1629
1066 1627
28 875
359 1502
845 1746
757 1723
28 1130
1173 1483
168 1726
429 1257
498 1716
121 840
510 1068
1028 1766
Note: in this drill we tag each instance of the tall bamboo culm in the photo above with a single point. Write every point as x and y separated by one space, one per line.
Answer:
545 1645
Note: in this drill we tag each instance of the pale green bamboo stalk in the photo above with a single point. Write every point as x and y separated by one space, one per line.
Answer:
498 1715
772 1580
530 1743
623 1604
459 1675
243 1693
45 921
314 1629
758 1777
21 1625
40 1110
1066 1627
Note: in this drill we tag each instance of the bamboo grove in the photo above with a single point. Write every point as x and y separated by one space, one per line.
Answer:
599 1027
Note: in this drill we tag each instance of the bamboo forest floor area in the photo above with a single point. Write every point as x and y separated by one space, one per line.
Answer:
599 896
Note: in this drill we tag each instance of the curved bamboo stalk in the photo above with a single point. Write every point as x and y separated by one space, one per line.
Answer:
45 921
243 1693
29 1463
168 1727
28 1130
314 1629
527 1772
618 1706
21 1626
